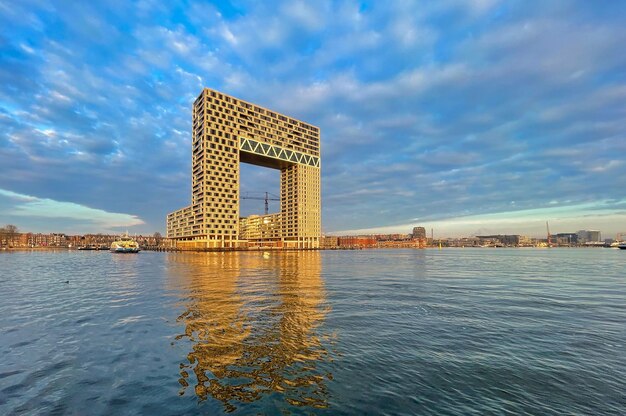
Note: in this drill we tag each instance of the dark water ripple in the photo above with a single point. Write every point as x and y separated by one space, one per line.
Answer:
430 332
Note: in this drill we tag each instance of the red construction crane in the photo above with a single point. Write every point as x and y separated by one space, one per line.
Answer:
265 198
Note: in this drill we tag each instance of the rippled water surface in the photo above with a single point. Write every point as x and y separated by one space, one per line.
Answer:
455 331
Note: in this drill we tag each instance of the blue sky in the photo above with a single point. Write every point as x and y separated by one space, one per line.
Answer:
464 116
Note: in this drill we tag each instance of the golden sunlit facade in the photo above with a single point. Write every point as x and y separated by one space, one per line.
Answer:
226 132
261 230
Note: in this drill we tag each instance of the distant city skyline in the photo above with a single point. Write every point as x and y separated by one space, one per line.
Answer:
531 223
469 117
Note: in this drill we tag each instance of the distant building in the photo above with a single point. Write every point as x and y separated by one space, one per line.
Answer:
13 240
566 238
588 236
260 229
419 233
463 242
595 235
507 240
328 242
356 241
391 237
38 240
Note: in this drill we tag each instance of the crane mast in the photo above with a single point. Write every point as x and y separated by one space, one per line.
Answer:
266 198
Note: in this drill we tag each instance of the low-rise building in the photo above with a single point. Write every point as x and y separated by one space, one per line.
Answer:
588 236
261 230
356 241
565 238
503 239
328 242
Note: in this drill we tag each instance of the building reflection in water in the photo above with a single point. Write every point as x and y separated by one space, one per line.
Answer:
253 323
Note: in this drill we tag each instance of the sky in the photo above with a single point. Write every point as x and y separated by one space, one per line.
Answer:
468 117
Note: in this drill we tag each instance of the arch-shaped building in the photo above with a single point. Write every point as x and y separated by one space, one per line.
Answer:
228 131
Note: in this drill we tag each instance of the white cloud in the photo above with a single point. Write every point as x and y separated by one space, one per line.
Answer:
30 206
305 14
482 6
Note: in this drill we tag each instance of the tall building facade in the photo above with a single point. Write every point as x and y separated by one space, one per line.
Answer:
226 132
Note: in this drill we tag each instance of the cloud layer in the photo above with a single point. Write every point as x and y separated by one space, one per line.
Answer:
57 216
428 110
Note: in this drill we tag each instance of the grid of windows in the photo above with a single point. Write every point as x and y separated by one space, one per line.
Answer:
260 227
300 202
222 127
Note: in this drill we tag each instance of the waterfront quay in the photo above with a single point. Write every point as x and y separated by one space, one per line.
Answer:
18 240
258 241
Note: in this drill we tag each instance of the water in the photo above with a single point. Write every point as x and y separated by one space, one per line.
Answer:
429 332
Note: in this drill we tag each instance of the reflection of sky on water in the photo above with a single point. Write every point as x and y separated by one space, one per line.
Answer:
252 321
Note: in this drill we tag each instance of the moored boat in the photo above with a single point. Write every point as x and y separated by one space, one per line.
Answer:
622 246
125 245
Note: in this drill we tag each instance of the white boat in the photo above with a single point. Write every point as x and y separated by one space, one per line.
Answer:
622 246
125 245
